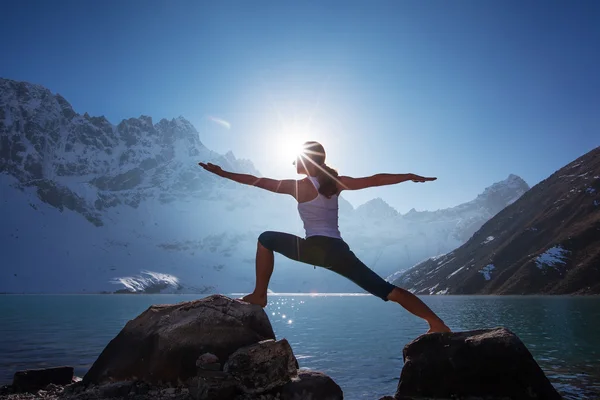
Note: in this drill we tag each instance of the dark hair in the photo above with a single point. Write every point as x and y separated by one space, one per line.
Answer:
326 175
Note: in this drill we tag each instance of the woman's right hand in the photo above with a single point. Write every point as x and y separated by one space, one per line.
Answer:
215 169
419 178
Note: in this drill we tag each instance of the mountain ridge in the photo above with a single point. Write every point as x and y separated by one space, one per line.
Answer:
546 242
149 207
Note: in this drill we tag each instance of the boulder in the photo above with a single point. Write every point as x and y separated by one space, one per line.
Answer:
488 363
163 343
34 379
263 366
311 385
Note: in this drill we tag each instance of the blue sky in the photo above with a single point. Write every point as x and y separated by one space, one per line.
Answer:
468 91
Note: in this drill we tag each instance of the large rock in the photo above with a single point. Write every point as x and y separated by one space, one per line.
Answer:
163 343
489 363
311 385
34 379
263 366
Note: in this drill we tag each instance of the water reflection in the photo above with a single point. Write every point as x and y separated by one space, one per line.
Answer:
351 338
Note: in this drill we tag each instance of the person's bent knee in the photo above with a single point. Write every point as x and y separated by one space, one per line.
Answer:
393 293
266 239
386 291
383 289
399 294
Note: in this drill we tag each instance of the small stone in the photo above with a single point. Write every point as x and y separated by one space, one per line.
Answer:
54 388
78 387
117 389
214 375
142 388
73 388
6 390
207 358
170 391
311 385
210 367
222 388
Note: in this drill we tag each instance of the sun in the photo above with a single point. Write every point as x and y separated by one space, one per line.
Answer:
290 142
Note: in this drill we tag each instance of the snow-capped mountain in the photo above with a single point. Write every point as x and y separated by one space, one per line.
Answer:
87 204
398 241
547 241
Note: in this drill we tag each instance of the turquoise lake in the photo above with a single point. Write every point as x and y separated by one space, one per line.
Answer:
357 340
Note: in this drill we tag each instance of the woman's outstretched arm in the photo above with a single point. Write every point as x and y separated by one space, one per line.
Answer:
286 186
349 183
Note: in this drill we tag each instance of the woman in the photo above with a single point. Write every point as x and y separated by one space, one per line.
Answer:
317 197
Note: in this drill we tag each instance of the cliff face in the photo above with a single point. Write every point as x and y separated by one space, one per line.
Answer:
547 241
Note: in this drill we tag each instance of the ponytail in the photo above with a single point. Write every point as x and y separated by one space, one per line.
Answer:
327 177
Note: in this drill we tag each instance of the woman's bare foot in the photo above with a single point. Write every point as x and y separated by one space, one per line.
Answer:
438 327
257 299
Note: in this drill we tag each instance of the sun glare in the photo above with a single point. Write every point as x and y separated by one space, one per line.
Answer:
290 143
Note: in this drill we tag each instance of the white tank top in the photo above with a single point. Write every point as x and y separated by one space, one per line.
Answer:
320 215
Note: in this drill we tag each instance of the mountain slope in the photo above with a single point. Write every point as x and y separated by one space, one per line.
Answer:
400 240
87 204
548 241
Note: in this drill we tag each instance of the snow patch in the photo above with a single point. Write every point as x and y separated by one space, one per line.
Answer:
488 239
432 289
146 280
445 291
395 276
435 258
444 263
455 272
487 271
552 257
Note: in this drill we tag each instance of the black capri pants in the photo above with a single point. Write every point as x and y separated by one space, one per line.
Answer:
327 252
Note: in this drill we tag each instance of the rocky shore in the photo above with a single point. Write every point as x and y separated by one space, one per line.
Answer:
219 348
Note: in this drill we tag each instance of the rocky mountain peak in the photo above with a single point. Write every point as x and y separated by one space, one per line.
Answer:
376 208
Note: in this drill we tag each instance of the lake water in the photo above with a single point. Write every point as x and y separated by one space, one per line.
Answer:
357 340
